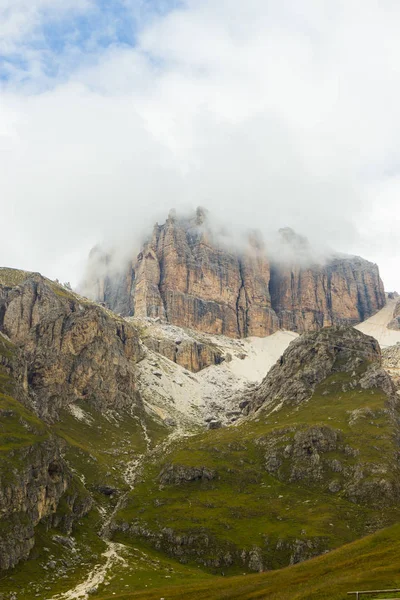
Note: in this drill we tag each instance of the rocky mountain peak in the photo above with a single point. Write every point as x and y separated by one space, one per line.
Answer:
190 275
72 349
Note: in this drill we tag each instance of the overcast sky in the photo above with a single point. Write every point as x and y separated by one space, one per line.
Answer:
270 113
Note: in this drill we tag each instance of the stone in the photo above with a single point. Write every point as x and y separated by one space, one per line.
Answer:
176 474
310 358
214 424
107 490
64 541
190 353
72 351
307 295
189 275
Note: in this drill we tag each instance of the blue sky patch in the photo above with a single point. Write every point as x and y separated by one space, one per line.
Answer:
57 43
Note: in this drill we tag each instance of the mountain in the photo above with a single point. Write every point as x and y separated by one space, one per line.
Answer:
73 349
57 349
189 275
36 484
313 466
136 453
370 563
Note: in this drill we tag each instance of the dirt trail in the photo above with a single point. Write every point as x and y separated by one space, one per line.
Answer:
115 552
96 576
251 360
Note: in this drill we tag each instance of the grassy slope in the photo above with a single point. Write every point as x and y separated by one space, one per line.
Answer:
245 506
239 508
370 563
101 447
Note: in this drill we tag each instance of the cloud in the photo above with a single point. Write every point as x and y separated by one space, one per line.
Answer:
270 114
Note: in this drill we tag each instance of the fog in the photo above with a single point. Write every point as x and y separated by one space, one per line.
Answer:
270 114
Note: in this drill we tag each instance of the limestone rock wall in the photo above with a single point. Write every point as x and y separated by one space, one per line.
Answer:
36 485
73 350
344 291
187 351
39 483
189 276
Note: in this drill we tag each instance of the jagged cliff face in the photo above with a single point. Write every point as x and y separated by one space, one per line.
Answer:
183 275
72 350
36 485
344 291
187 276
56 350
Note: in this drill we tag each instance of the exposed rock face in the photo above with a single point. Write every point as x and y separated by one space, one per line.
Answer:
311 358
176 474
36 485
190 354
33 494
202 547
73 350
189 276
188 349
391 363
344 291
395 322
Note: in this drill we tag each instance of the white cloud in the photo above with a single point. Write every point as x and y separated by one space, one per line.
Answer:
21 20
268 113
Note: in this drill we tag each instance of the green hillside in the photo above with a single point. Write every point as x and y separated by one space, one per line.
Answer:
276 490
367 564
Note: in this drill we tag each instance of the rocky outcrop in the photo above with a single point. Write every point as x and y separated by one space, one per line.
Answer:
310 359
391 363
344 291
309 293
189 354
305 455
187 275
73 349
190 276
190 350
177 474
395 322
39 489
36 485
206 550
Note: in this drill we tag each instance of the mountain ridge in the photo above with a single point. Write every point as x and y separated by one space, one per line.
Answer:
185 275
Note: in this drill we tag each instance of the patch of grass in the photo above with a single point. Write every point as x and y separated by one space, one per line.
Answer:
370 563
100 446
19 428
245 506
148 569
12 277
35 577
